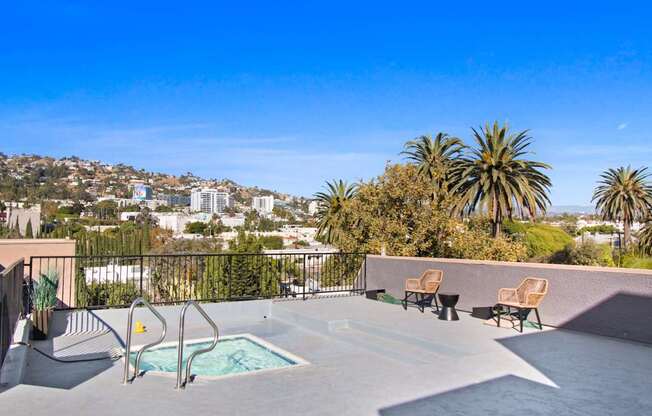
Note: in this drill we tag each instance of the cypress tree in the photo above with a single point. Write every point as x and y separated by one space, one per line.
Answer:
29 233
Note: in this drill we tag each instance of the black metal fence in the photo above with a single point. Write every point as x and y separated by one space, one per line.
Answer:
115 281
13 304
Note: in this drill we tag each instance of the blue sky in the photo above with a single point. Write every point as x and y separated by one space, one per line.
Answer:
288 95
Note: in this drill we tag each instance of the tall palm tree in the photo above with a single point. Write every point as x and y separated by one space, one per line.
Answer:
435 159
645 237
496 178
330 203
623 194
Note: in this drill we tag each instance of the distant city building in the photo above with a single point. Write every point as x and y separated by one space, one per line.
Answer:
175 200
233 221
313 207
210 201
263 204
142 192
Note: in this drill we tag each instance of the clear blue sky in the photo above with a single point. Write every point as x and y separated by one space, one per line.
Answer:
288 95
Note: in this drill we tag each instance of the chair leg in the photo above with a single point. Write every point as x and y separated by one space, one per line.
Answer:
520 318
423 300
500 312
536 311
436 303
405 300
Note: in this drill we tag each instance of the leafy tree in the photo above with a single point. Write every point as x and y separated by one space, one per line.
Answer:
395 213
599 229
496 179
272 242
435 159
624 194
105 210
164 208
145 217
283 213
337 196
196 227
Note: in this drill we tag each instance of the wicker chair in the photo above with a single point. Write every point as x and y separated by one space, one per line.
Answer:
527 296
428 284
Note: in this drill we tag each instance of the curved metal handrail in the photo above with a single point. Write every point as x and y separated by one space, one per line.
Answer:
140 301
182 324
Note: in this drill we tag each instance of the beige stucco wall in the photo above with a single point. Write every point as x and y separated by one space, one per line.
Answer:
12 250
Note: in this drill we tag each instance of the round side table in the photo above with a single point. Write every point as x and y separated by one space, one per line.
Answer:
448 301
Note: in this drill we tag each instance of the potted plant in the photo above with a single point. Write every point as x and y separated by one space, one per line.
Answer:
45 299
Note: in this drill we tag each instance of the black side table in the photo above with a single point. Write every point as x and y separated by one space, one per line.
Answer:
448 301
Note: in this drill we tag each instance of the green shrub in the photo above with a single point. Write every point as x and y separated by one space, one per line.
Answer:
45 290
633 261
542 240
587 253
110 294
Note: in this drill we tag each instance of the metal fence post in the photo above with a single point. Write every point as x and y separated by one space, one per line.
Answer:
230 274
365 273
142 261
304 277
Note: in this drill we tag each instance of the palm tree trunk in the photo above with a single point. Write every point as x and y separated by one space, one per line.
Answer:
495 228
627 234
495 221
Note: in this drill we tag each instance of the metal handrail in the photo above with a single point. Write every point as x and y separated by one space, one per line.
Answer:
140 301
182 324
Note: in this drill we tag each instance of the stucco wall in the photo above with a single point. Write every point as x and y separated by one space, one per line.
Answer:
605 301
12 250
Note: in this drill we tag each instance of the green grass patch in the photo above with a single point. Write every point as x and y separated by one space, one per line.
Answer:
637 262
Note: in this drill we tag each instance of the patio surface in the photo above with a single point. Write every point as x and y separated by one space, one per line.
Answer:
366 358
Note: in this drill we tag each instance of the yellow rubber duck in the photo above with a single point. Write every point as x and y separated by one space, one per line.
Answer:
140 328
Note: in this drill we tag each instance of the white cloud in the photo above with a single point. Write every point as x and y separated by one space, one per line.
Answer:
622 126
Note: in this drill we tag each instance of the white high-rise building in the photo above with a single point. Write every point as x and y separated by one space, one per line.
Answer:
263 204
313 207
210 201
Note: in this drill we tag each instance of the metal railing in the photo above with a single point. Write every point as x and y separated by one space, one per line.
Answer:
115 281
127 356
13 304
182 327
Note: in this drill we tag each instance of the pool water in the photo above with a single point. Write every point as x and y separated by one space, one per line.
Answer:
231 356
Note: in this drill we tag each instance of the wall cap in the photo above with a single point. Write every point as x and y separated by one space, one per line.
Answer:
547 266
25 241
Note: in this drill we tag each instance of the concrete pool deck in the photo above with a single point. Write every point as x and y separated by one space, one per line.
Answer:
366 358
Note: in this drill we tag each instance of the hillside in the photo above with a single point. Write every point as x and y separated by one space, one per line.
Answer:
35 178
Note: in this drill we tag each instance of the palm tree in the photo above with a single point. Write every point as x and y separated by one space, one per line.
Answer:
623 194
645 238
329 214
496 178
435 159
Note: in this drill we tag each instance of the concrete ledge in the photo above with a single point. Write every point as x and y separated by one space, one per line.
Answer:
13 369
546 266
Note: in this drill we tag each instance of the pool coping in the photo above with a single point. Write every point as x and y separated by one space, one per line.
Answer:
298 361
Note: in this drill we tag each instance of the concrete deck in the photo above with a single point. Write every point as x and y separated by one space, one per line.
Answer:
367 358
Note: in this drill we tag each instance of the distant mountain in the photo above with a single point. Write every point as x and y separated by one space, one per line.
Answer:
571 209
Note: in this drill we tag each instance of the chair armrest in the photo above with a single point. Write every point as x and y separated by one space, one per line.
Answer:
507 295
534 299
412 284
